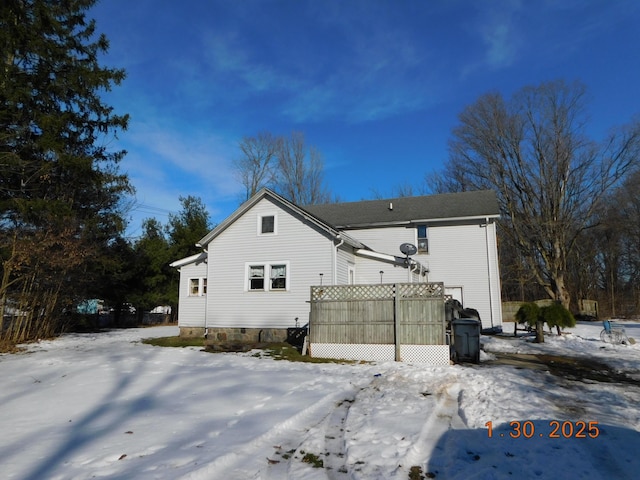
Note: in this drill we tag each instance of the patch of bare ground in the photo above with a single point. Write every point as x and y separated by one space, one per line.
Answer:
578 369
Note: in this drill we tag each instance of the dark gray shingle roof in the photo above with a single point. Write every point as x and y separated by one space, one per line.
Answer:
408 209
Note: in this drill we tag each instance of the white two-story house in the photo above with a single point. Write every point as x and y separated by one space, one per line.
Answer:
252 280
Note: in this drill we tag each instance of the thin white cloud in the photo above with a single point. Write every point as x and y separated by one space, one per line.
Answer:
499 32
375 75
501 46
226 54
168 162
202 156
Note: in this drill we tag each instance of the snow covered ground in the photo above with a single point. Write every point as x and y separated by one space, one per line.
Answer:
107 406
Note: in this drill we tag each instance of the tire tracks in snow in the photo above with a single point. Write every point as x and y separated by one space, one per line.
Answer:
444 417
324 441
277 453
335 460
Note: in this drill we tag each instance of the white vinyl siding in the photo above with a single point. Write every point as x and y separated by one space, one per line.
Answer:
192 306
306 251
345 258
368 271
385 240
458 257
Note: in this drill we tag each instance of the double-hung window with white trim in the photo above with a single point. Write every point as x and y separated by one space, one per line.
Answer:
267 276
256 277
278 277
197 287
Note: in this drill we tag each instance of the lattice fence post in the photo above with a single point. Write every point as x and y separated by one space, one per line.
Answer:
396 322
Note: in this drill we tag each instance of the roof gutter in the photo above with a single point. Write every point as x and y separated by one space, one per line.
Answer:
419 220
412 265
377 255
456 219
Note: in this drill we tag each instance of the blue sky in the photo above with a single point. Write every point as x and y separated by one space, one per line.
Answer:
375 85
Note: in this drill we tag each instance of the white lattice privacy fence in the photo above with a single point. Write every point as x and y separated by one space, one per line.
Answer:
402 321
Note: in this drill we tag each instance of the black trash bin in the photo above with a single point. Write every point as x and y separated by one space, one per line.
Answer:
466 340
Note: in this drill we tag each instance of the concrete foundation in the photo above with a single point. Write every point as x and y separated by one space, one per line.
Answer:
191 332
242 335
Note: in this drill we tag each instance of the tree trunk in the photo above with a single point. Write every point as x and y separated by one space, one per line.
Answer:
540 332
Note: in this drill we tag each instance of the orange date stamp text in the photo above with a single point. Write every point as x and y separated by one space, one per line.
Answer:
556 429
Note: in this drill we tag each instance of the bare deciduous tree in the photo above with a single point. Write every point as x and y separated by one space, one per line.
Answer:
256 168
300 171
550 177
286 164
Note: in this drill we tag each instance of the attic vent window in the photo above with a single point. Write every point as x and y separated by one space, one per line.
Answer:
267 225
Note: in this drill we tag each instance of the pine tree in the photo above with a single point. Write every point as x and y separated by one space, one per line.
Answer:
188 227
158 284
59 184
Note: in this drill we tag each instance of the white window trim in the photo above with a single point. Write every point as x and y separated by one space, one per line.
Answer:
267 276
275 224
200 292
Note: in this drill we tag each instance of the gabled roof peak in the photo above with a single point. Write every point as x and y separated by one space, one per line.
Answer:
267 193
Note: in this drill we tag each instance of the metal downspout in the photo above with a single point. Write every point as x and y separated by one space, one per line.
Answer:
335 259
412 269
206 297
486 237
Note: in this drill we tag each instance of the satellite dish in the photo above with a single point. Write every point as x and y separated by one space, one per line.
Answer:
408 249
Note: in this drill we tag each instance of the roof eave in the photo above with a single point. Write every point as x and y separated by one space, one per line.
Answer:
456 219
187 260
418 221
